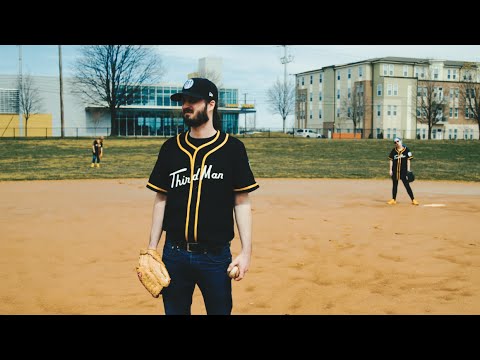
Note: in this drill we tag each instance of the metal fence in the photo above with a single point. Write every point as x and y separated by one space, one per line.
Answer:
421 134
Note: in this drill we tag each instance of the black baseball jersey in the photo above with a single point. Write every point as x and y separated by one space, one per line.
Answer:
400 158
97 146
201 210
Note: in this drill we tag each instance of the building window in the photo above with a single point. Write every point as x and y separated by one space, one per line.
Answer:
339 75
338 93
311 97
349 112
321 78
455 134
389 110
454 75
435 72
338 112
389 89
379 90
467 115
349 92
303 80
310 116
394 110
405 70
450 113
456 93
379 110
320 113
449 74
385 69
311 79
360 71
349 73
391 67
395 89
319 96
456 113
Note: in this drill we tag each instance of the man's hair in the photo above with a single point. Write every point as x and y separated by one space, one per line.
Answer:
217 122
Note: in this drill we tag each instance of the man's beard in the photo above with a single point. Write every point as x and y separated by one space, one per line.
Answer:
200 119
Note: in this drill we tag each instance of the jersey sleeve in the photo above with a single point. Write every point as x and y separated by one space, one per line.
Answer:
243 179
391 155
409 154
159 178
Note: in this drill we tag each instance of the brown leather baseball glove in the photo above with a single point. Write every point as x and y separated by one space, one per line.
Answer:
152 272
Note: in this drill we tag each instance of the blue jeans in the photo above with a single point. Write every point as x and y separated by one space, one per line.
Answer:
95 157
208 271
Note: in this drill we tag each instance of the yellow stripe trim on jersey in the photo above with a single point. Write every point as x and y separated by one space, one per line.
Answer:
156 187
200 184
399 162
246 187
192 163
190 144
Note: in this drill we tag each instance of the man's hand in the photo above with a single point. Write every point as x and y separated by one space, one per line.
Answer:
391 173
243 263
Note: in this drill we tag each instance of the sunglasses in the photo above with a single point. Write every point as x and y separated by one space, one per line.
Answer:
396 142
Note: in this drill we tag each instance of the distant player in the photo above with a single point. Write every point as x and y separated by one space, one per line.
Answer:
399 166
97 152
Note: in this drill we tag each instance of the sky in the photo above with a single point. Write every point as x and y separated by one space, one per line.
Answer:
250 68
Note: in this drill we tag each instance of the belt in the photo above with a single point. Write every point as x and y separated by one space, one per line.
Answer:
195 247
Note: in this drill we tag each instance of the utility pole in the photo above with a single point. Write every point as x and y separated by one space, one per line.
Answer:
62 123
20 86
285 60
245 109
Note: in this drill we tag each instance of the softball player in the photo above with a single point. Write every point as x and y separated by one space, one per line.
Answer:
399 165
202 178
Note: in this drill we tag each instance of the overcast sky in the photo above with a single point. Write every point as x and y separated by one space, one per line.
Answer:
250 68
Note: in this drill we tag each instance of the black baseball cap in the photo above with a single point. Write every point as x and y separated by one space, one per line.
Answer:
199 88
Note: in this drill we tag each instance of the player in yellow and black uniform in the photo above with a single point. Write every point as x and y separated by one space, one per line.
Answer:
202 178
399 166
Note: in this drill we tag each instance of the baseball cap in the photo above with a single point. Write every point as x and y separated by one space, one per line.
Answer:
198 87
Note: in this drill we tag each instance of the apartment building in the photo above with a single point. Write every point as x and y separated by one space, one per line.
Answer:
385 98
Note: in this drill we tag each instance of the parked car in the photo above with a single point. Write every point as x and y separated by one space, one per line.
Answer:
306 133
309 133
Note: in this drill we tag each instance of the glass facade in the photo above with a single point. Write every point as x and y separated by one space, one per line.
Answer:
149 111
9 101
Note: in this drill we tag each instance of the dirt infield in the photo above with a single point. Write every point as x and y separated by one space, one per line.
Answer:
319 247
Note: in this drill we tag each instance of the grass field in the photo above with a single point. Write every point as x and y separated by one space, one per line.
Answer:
48 159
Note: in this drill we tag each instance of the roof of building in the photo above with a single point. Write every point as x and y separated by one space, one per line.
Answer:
390 59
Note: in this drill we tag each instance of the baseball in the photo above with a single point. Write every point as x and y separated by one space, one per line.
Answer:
234 272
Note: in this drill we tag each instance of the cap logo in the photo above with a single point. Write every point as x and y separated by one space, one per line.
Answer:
210 94
188 84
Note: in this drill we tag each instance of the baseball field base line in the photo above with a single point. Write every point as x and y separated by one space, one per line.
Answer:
435 205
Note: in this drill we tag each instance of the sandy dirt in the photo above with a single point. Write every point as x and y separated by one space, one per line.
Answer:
320 247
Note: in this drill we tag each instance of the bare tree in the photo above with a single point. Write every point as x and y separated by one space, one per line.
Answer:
281 98
431 104
29 99
470 93
110 76
353 107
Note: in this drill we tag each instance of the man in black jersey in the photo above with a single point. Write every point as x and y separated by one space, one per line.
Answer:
202 178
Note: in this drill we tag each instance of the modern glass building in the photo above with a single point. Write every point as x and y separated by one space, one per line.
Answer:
150 112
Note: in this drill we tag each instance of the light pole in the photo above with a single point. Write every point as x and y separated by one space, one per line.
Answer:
62 123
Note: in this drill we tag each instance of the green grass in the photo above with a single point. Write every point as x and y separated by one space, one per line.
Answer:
47 159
